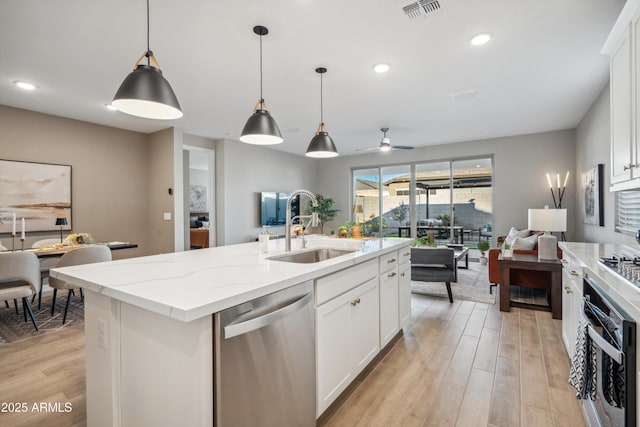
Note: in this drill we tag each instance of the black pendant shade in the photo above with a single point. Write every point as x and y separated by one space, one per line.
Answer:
146 93
261 128
321 145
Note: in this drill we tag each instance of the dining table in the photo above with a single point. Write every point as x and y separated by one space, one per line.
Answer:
58 250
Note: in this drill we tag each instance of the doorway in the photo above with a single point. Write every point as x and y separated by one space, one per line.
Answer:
199 197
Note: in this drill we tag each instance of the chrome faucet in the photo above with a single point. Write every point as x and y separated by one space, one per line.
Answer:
313 218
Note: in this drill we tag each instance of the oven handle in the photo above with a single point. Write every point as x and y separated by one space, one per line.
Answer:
613 352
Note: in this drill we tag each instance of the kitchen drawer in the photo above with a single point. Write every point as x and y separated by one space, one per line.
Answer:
388 261
404 255
335 284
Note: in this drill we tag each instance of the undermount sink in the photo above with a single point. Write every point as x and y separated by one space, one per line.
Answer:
311 256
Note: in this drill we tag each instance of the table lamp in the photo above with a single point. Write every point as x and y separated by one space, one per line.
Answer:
548 220
61 222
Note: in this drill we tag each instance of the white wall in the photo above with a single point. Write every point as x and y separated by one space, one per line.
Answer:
520 165
242 172
593 147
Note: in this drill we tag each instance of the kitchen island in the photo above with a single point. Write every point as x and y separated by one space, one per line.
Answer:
149 321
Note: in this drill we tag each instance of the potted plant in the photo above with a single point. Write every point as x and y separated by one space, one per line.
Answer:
483 246
423 241
324 209
507 252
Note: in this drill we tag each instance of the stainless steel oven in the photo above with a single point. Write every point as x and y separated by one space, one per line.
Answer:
613 335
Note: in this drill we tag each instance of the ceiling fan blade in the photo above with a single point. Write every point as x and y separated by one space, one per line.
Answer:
402 147
368 148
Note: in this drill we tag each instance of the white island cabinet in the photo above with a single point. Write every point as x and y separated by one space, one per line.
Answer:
149 321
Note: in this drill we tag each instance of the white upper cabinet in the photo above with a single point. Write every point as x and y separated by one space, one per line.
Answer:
623 48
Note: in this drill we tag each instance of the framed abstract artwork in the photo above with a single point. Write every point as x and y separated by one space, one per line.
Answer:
37 192
592 189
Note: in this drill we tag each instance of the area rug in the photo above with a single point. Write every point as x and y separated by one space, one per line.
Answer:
472 285
13 327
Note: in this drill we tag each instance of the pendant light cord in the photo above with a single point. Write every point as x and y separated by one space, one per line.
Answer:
261 98
149 53
321 110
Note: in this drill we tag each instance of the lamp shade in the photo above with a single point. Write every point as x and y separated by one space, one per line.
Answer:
548 219
358 209
261 129
61 221
322 146
146 93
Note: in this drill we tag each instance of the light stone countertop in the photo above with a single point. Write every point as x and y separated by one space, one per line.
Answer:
621 290
193 284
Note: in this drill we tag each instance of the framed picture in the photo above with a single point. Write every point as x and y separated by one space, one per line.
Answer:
37 192
592 188
198 198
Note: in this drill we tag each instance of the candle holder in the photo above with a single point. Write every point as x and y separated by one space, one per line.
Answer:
13 242
22 239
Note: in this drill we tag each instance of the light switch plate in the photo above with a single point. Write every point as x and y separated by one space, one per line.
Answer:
167 216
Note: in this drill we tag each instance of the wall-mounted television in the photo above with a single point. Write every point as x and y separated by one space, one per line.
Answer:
273 207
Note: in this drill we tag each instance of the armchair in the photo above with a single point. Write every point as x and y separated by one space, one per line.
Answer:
434 265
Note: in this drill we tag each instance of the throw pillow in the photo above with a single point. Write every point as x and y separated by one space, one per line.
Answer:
527 243
513 233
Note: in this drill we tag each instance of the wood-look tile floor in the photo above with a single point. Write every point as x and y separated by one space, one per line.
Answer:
468 364
462 364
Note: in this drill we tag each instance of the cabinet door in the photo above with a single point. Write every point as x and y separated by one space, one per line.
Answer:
334 337
404 293
389 293
568 318
365 342
621 90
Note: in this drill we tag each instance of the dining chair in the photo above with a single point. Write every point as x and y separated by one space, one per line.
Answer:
82 255
46 264
20 279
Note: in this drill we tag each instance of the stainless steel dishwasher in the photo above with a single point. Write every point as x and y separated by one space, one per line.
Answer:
265 361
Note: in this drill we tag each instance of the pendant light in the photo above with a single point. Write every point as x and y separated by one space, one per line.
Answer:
261 128
145 92
321 145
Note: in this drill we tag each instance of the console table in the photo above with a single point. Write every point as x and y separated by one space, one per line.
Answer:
531 262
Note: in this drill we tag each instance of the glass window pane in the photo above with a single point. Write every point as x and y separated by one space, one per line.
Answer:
396 182
433 201
367 195
473 199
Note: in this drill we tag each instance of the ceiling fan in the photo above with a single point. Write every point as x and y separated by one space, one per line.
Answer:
385 144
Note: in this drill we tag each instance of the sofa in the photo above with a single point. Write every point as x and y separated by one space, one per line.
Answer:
530 279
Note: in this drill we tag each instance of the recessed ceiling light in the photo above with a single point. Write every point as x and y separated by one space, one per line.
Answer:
25 85
111 107
382 67
480 39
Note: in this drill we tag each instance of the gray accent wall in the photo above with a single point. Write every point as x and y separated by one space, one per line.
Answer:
242 172
520 166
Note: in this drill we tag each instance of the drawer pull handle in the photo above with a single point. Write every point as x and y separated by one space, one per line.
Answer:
574 273
354 302
401 274
391 274
630 166
391 260
564 261
568 290
406 254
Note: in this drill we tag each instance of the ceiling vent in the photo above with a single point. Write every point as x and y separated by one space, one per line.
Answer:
425 8
464 95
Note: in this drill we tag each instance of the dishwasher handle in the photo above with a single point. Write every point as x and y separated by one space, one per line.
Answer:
235 329
613 352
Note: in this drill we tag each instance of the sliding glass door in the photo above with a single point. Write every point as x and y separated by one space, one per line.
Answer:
450 201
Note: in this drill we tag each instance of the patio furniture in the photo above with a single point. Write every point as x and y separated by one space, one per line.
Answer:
434 265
